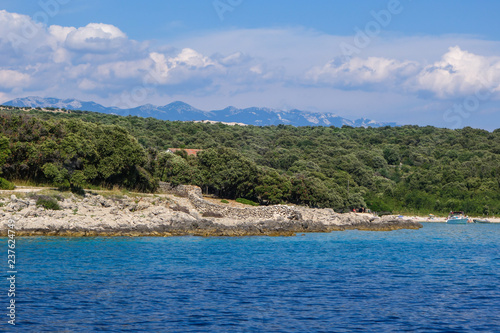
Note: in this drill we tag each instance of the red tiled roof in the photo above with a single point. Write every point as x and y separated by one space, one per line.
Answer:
190 152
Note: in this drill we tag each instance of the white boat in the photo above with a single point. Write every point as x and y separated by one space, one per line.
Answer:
457 218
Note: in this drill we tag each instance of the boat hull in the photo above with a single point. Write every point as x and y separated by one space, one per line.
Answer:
481 221
457 221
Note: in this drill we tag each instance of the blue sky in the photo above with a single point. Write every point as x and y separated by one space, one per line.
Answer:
414 62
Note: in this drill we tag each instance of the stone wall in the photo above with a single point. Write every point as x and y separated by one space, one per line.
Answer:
250 213
195 195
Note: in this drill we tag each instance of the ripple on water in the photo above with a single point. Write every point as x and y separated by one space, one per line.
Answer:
440 278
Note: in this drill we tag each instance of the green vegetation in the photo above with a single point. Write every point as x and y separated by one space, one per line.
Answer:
399 169
246 202
73 153
4 150
5 184
224 201
4 154
47 202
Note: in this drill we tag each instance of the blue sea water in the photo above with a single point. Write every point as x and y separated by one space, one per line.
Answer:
441 278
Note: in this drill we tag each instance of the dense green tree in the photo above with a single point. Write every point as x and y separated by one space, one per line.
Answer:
392 154
4 154
407 168
272 187
228 172
4 151
74 153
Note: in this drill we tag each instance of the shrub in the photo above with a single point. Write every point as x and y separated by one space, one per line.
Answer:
47 202
246 202
224 201
6 185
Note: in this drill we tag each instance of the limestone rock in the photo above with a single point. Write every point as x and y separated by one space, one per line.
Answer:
185 212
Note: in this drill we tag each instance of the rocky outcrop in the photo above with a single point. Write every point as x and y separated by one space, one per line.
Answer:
182 212
179 190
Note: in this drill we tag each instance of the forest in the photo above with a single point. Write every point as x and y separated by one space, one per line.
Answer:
407 169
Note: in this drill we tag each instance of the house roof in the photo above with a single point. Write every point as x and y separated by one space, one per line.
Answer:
190 152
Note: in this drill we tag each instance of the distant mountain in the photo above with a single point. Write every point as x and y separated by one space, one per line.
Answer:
69 104
185 112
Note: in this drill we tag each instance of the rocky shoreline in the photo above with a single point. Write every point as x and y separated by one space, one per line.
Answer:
177 211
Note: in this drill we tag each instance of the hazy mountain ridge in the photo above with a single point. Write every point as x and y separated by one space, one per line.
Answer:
185 112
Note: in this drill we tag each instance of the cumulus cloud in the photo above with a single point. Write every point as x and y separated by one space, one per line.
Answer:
60 33
97 57
266 67
185 65
19 35
95 37
457 73
191 58
460 73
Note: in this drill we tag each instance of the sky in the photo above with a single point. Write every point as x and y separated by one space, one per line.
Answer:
411 62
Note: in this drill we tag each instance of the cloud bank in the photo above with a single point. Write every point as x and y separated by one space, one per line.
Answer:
457 73
267 67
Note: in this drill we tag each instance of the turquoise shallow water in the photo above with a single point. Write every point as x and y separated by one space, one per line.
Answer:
442 278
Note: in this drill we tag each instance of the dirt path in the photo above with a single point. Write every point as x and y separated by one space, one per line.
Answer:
25 189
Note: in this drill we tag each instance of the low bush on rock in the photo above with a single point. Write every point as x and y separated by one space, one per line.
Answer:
47 202
247 202
5 184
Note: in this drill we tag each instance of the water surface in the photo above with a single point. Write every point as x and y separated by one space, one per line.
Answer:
442 278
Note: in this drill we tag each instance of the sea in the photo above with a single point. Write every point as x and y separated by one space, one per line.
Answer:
441 278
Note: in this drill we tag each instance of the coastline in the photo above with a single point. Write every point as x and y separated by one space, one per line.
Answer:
437 219
180 212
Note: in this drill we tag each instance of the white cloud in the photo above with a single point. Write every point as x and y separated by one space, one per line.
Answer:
87 84
181 67
60 33
287 67
19 34
73 72
256 69
97 57
191 58
123 69
160 72
460 73
457 73
96 37
233 59
13 79
358 72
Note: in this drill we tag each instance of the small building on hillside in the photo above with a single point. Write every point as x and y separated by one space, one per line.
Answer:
190 152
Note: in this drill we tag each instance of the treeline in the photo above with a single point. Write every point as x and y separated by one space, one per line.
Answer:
409 168
72 154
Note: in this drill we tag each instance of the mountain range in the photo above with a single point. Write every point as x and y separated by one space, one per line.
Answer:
185 112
